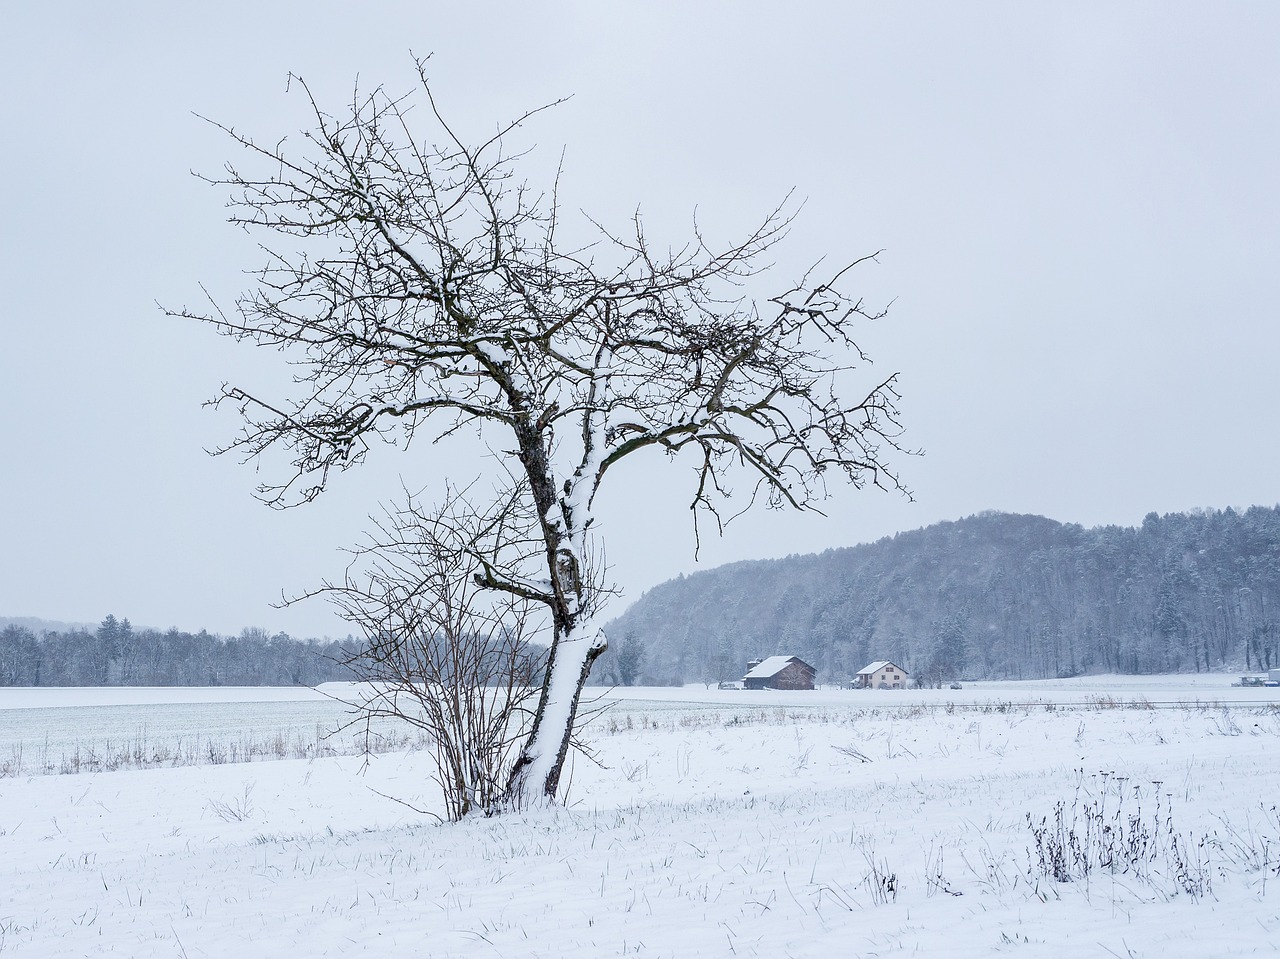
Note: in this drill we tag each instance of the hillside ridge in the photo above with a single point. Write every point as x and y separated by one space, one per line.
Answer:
992 595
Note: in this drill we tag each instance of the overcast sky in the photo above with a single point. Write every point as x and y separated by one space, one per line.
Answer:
1077 204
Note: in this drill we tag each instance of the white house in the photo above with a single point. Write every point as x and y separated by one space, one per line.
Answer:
882 675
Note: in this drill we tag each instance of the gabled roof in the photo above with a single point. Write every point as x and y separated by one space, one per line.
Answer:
772 666
879 665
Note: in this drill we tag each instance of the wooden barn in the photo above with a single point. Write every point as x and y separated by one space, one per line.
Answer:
882 675
779 672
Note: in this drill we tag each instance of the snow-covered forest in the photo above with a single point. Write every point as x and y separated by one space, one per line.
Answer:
994 595
116 654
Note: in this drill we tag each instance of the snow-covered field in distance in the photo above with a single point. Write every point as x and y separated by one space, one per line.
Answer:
58 728
1173 688
42 697
717 823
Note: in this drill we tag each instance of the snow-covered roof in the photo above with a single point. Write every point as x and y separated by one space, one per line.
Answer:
770 667
877 666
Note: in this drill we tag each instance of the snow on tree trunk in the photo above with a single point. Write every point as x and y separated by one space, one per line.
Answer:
535 778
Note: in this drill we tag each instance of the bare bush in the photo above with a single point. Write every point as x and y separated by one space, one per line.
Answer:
443 653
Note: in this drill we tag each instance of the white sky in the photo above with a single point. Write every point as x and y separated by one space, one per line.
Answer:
1077 203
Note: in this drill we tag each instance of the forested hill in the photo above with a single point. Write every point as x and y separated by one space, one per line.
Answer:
994 595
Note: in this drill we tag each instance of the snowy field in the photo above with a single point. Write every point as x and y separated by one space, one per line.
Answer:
1113 816
53 730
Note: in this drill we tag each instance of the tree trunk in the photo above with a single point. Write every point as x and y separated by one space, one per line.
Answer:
576 643
535 777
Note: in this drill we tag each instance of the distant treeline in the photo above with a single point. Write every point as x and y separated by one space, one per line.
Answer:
115 654
994 595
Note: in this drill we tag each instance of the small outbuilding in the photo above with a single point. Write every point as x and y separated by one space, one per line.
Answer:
779 672
882 675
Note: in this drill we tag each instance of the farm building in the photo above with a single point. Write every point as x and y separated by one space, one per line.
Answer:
779 672
882 675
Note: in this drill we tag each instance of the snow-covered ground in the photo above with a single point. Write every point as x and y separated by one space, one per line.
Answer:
716 823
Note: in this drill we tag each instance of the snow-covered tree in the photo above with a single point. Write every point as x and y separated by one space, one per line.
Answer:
416 284
630 659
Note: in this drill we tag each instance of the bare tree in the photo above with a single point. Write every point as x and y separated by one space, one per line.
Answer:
428 292
443 653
